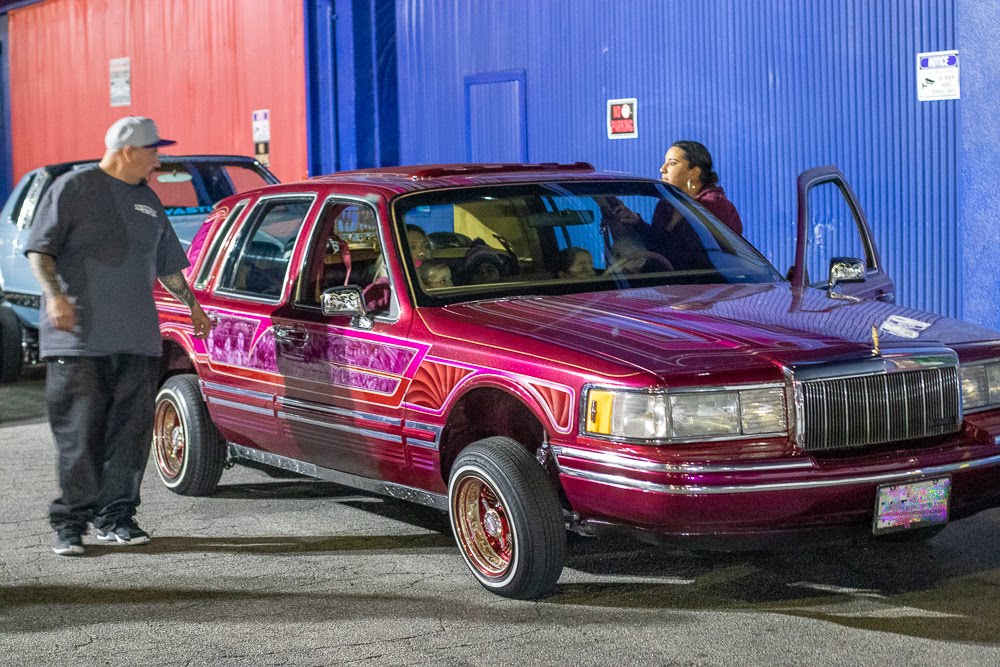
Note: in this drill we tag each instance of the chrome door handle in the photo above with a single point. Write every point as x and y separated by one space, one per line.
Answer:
295 335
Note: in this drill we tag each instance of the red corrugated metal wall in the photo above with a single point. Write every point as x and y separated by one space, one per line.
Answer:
199 68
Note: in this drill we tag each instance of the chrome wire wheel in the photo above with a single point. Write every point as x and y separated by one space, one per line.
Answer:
190 455
506 518
169 440
483 527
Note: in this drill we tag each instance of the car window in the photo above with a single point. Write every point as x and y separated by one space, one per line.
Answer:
210 256
12 206
258 264
175 186
346 249
547 238
195 186
833 232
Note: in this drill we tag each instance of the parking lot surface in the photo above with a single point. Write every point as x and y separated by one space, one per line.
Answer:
295 572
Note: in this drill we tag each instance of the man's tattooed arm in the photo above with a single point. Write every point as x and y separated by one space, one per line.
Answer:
177 285
44 268
58 308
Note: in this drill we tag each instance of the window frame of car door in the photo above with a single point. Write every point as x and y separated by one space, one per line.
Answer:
394 313
878 284
241 234
208 259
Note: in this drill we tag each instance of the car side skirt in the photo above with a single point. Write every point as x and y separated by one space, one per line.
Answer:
390 489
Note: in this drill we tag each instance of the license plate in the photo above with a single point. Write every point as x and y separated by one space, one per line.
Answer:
912 505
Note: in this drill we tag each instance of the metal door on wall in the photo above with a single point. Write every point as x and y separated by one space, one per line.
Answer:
495 118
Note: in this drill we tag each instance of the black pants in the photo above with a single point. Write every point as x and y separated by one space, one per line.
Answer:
101 413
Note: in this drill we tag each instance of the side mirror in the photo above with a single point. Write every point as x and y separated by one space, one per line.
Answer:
846 270
346 300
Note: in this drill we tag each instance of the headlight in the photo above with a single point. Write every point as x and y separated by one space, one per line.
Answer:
980 385
681 415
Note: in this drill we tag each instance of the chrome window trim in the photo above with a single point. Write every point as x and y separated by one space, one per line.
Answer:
667 391
393 315
391 489
218 289
670 489
214 252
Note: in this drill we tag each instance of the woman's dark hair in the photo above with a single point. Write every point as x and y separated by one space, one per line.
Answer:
698 156
417 228
565 258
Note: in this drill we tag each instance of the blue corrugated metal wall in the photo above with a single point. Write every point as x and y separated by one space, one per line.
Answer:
772 87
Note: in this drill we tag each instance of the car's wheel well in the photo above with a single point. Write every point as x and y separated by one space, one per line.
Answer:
483 413
174 360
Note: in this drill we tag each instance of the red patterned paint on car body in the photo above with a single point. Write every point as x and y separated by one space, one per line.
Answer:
397 401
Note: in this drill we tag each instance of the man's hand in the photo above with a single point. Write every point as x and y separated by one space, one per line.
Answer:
201 322
61 312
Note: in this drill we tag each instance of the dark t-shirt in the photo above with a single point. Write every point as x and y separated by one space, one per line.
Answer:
111 241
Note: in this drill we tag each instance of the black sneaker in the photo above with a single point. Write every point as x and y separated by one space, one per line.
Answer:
69 542
125 532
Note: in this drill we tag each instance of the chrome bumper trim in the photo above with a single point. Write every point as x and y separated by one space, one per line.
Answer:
692 490
398 491
630 463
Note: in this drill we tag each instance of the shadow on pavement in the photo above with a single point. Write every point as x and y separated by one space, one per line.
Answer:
331 544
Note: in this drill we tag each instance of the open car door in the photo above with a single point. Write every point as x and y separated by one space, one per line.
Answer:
834 246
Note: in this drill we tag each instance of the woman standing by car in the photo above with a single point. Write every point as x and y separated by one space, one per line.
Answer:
688 166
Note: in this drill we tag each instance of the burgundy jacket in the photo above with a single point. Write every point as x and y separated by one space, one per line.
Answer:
714 199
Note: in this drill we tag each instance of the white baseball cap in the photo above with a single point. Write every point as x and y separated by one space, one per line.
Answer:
134 131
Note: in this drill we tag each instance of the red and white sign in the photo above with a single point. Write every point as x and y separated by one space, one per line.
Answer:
621 119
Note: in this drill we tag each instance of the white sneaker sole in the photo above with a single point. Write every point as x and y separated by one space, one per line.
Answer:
74 550
114 539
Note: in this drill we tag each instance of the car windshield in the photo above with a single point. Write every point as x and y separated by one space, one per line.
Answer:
561 238
189 189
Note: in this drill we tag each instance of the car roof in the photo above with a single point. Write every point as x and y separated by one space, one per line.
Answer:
59 168
393 181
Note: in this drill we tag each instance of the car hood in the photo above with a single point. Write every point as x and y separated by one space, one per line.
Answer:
706 328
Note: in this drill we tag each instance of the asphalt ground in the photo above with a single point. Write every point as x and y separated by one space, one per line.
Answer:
296 572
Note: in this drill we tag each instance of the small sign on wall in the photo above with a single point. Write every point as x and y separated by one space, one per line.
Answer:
262 136
621 119
937 76
121 82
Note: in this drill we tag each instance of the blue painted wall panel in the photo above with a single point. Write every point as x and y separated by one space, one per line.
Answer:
772 87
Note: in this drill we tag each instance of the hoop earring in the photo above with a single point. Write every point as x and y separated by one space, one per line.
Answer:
689 184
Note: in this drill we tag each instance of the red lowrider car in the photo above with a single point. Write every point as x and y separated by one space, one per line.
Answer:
536 348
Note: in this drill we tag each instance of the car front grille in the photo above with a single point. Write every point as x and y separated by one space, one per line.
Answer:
873 409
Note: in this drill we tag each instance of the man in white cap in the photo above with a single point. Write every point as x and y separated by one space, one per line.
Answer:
100 241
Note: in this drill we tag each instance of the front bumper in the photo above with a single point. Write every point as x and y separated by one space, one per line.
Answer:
793 494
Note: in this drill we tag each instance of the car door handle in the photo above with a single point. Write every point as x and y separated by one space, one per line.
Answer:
294 335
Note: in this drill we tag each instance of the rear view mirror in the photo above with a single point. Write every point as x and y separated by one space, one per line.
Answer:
174 177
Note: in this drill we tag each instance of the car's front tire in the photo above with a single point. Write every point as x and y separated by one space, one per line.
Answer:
507 519
190 455
11 354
